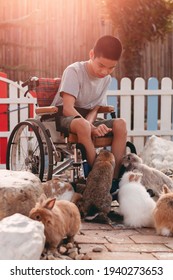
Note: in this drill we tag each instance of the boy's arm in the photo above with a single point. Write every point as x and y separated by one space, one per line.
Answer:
69 110
100 130
68 105
92 115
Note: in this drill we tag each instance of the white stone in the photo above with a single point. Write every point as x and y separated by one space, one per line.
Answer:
21 238
158 153
19 192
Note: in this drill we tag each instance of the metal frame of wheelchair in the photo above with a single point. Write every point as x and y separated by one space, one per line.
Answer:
34 145
31 148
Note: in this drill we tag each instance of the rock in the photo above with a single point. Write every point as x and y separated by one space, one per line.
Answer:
79 257
168 172
64 257
19 192
64 252
86 257
51 257
72 250
62 249
69 245
21 238
158 153
97 249
73 255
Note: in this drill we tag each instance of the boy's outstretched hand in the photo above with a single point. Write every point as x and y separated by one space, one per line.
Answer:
100 130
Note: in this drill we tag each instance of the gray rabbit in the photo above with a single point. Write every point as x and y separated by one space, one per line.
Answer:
96 196
152 178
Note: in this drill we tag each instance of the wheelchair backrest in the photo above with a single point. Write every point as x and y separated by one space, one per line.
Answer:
46 90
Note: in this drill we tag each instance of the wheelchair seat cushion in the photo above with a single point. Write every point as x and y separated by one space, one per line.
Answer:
46 90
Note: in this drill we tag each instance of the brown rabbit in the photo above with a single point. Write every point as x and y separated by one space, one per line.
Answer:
96 196
163 213
60 218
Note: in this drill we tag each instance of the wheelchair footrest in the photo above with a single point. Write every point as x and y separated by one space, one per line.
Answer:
63 166
76 164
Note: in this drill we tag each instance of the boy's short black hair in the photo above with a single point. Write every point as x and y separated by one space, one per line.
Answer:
108 47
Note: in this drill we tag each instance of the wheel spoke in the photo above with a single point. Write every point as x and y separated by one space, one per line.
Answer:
25 150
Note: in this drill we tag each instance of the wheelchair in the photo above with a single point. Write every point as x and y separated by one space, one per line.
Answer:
35 145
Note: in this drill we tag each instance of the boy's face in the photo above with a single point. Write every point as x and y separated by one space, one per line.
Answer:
100 66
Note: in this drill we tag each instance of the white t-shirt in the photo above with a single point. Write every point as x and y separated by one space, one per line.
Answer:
88 91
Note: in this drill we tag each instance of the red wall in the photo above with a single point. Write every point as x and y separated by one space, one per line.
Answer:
3 119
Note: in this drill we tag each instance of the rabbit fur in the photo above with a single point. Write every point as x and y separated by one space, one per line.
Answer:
96 196
61 218
135 204
152 178
61 190
163 213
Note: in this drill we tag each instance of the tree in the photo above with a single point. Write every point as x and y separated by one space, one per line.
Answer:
138 22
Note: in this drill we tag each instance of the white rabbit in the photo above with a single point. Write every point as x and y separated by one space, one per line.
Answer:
136 205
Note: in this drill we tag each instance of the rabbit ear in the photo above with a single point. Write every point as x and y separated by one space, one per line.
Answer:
131 177
42 198
50 203
135 177
165 189
138 176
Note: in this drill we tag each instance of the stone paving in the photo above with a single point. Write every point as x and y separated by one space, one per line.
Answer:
102 242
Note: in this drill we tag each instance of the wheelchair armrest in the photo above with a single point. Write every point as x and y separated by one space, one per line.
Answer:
53 109
106 109
49 110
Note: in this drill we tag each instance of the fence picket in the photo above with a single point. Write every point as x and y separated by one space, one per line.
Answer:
126 102
139 113
13 107
111 95
166 110
152 106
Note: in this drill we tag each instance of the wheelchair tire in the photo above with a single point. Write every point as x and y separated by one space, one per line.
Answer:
47 147
25 150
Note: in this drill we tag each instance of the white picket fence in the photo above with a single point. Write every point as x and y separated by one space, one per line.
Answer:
147 109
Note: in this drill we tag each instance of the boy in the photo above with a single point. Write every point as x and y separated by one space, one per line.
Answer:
82 91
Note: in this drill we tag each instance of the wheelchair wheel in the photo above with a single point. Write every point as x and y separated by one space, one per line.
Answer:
47 148
25 150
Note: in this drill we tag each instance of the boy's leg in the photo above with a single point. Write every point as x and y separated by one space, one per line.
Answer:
82 128
119 134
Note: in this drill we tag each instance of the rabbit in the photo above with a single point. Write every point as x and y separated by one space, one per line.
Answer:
152 178
163 213
60 218
96 196
135 204
61 190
